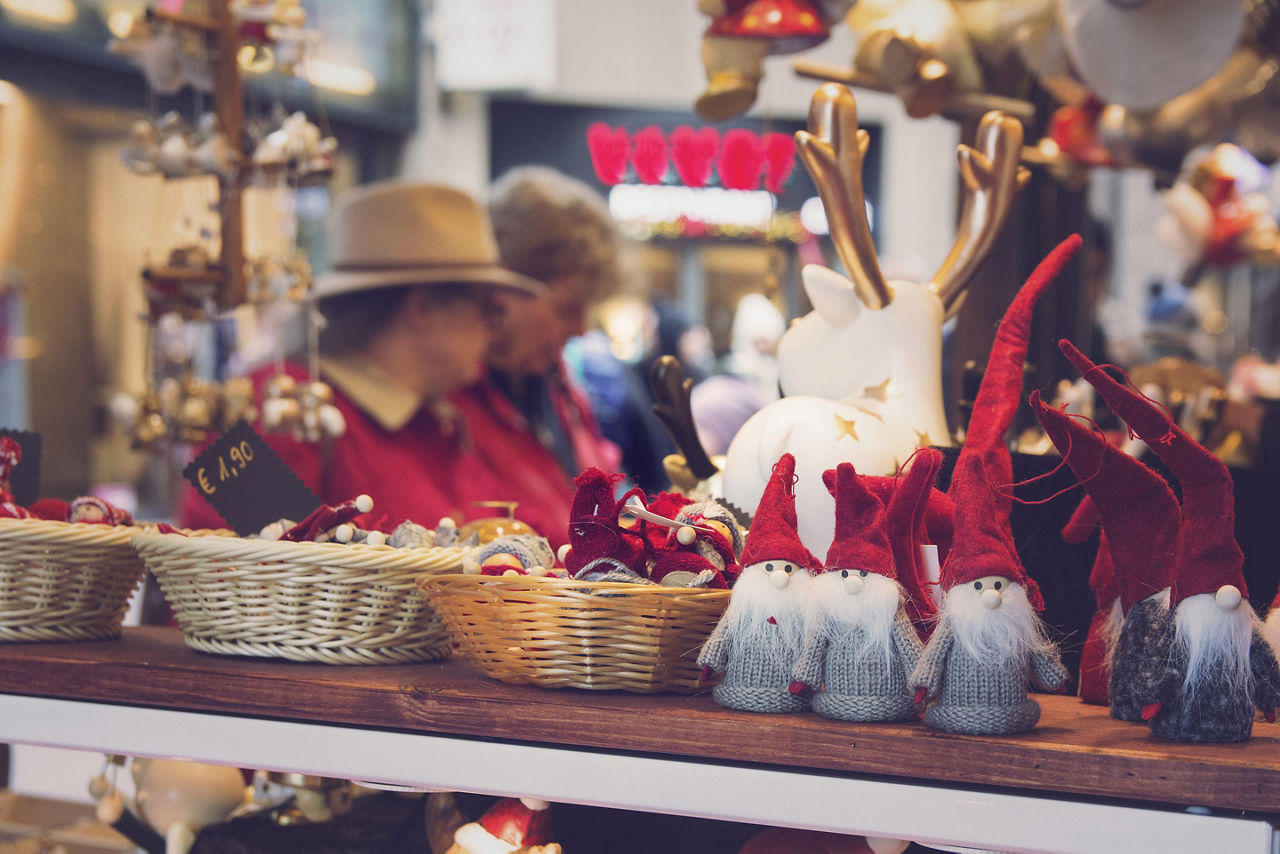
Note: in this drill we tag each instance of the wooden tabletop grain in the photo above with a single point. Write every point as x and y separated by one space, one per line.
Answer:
1076 749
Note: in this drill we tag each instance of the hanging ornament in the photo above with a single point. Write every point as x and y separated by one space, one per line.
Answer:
650 155
281 412
235 403
609 149
693 153
319 418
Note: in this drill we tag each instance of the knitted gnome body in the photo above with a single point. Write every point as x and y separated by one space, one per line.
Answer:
758 639
990 642
859 645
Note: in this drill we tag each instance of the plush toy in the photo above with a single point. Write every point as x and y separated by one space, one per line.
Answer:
1208 665
701 549
95 511
1106 622
328 524
742 33
758 639
514 554
990 640
511 825
907 532
860 645
10 456
598 543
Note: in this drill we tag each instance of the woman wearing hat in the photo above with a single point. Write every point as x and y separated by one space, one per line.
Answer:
411 303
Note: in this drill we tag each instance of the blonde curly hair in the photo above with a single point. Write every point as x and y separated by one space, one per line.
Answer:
550 226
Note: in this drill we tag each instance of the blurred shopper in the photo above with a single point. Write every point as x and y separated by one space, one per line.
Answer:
557 230
412 302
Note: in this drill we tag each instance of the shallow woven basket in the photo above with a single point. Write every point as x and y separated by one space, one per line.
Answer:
64 582
337 604
598 635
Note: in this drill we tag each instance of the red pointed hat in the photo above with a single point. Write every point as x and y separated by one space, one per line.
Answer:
1138 511
773 529
1102 578
861 540
904 523
1208 555
983 542
594 531
522 822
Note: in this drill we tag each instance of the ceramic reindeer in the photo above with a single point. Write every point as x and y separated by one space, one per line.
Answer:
861 373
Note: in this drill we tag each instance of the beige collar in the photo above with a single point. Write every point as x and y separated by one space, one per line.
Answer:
372 389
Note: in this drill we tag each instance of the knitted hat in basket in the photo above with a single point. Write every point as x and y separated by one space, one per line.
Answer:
509 824
326 518
773 530
1136 507
1208 555
861 541
984 542
594 530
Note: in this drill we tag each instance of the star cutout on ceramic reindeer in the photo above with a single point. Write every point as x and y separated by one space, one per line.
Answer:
844 427
878 392
922 439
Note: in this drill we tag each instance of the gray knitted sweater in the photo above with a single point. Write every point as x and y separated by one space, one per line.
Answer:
981 697
860 688
756 679
1135 663
1219 711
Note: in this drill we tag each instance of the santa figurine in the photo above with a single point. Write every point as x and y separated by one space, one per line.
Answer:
1140 529
905 525
741 34
1208 665
990 641
509 826
701 550
860 645
758 640
599 547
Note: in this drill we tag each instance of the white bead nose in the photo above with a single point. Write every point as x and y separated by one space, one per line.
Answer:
853 584
1228 597
992 598
779 579
686 535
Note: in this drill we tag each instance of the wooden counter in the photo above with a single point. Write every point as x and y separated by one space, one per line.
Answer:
1077 750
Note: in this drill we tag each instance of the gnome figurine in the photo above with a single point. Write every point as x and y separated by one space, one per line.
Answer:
990 641
701 550
1104 627
758 640
1140 522
905 526
1208 665
599 546
859 644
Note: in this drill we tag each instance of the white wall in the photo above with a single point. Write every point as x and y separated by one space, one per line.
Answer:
646 55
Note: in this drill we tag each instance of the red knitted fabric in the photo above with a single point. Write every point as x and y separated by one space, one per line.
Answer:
594 531
1208 555
773 529
905 523
861 540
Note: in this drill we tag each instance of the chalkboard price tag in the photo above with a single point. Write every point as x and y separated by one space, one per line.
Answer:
247 482
24 480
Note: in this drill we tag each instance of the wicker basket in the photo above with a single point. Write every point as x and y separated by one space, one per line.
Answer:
337 604
64 582
594 635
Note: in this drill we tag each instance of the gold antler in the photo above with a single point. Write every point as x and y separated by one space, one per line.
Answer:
992 177
832 150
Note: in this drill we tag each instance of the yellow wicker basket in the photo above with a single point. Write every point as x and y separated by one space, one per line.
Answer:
325 602
64 582
559 633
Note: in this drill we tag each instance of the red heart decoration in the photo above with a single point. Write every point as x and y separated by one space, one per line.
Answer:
741 160
780 156
693 153
609 149
649 155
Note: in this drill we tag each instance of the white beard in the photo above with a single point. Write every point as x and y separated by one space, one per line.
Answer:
1111 631
832 612
755 600
1011 632
1216 641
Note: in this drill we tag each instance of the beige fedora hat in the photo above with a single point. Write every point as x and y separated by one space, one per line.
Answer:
405 233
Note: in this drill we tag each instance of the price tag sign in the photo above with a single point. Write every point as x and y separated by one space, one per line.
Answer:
247 482
24 480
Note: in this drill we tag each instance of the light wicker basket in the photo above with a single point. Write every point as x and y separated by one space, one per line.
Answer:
325 602
595 635
64 582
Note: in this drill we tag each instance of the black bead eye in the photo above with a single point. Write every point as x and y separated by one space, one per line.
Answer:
844 573
863 573
997 585
977 585
768 567
786 567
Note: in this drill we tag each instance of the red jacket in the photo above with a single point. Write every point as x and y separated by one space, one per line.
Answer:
417 461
